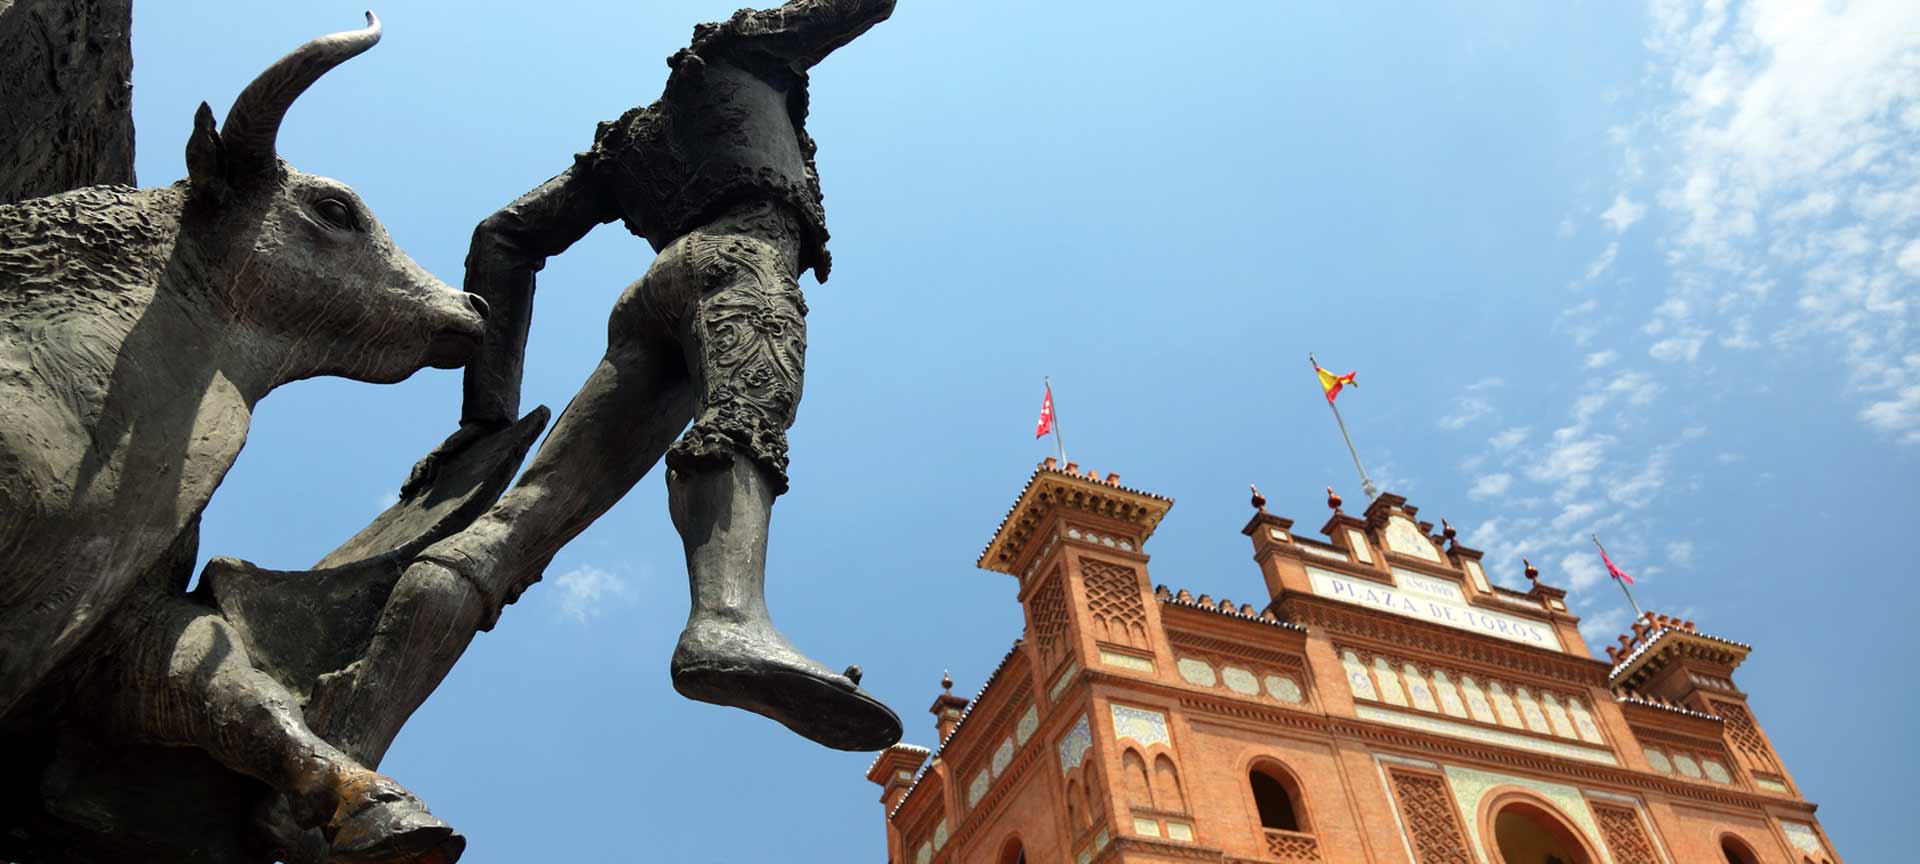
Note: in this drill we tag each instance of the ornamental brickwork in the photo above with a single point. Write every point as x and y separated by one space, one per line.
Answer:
1386 699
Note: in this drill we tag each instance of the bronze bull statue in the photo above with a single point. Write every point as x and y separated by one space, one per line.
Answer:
138 329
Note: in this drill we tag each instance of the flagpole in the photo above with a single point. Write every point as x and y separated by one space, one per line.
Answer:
1059 443
1366 483
1637 614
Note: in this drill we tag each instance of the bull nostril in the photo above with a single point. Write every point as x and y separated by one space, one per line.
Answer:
479 305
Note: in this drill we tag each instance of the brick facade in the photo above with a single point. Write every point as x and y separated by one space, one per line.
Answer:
1385 702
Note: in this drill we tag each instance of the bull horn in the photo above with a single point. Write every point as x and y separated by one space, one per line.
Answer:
254 121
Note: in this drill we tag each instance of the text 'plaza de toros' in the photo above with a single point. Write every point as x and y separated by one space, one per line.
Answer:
1388 704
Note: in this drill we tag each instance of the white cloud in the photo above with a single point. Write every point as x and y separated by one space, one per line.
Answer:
1603 262
1472 405
1569 461
1604 628
1623 214
1680 553
1599 359
1639 388
1510 438
1566 228
585 589
1583 570
1490 485
1792 151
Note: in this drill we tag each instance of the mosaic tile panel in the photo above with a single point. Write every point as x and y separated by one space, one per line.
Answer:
1284 688
1357 678
1240 681
1146 727
1503 706
1003 757
1060 685
1195 672
940 836
1529 709
1126 661
1388 682
1148 827
1417 689
1180 831
1770 785
1477 704
1557 717
1029 724
978 788
1449 696
1715 771
1802 836
1471 785
1583 721
1687 766
923 854
1658 760
1074 747
1486 736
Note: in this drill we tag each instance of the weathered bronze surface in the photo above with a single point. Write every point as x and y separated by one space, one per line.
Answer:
718 175
242 721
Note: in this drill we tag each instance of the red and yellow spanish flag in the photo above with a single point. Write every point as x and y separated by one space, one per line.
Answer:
1332 383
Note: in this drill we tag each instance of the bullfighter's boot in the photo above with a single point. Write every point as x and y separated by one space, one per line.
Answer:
730 653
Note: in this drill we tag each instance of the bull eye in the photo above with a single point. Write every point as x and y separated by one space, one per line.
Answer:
336 213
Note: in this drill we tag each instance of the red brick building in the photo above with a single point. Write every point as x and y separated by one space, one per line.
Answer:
1387 703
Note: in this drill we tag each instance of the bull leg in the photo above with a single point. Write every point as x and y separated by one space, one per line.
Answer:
609 436
187 680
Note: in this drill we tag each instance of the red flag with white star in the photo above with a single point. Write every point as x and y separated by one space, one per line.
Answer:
1046 415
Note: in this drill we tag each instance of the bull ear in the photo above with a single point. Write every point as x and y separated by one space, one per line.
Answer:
206 157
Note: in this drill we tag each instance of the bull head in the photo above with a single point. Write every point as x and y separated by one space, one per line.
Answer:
298 260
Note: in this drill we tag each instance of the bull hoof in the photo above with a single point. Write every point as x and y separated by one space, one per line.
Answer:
754 668
378 822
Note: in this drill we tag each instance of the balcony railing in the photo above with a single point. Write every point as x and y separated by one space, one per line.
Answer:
1292 846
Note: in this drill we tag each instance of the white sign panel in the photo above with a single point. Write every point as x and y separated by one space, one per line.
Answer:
1430 606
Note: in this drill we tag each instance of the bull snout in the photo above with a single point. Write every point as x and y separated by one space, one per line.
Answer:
455 343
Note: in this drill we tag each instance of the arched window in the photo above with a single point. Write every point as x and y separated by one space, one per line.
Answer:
1076 806
1736 851
1166 786
1274 797
1134 770
1015 853
1527 834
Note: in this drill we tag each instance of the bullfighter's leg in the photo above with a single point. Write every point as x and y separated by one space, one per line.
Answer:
614 431
745 342
187 680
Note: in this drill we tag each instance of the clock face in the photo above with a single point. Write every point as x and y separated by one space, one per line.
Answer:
1406 538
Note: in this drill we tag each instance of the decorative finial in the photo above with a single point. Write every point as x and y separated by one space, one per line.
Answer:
1533 573
1446 529
1259 500
946 682
1333 501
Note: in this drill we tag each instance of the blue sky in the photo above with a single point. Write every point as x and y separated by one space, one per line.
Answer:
1646 271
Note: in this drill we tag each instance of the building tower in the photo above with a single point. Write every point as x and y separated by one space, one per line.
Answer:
1386 703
